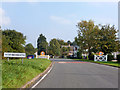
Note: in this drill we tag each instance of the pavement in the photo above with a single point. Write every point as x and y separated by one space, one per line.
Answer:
68 73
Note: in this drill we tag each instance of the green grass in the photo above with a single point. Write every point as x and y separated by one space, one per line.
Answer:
0 75
15 74
106 63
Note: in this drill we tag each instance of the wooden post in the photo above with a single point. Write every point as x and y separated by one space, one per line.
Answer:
8 59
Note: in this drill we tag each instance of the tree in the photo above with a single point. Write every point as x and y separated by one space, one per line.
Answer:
29 49
95 38
54 47
69 42
42 44
86 34
61 42
65 50
74 43
13 41
106 40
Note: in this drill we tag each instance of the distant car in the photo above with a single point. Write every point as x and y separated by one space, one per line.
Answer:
51 56
30 57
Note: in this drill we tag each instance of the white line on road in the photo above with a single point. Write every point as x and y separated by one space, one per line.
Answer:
41 78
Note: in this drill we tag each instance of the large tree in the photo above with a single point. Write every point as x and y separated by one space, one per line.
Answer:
61 42
69 42
85 38
13 41
95 38
29 49
106 39
54 47
65 50
42 44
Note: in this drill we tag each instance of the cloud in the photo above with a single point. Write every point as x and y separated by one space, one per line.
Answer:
4 20
60 20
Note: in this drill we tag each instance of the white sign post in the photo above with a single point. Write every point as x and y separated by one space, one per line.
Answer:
19 55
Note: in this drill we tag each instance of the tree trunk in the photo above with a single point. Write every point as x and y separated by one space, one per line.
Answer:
89 53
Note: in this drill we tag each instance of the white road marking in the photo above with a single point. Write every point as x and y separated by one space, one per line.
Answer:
41 78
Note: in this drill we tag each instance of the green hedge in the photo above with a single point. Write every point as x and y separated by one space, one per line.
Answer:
91 57
110 57
118 58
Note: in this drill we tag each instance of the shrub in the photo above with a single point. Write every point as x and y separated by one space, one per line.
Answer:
118 58
110 58
91 56
79 55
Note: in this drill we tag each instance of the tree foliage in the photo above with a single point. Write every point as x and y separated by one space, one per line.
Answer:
29 49
86 34
13 41
54 48
106 39
65 50
42 44
69 42
95 38
61 42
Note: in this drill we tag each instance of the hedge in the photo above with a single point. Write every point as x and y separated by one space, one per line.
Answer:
110 57
118 58
91 57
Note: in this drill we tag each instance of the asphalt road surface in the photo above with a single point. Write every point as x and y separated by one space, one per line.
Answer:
77 74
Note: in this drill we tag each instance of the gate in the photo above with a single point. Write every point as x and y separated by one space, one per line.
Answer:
100 58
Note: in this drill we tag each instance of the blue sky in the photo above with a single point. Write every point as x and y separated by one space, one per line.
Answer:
55 19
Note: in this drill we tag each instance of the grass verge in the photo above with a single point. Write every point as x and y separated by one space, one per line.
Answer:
0 75
15 74
105 63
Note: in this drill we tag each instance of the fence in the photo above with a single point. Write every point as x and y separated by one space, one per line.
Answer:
100 58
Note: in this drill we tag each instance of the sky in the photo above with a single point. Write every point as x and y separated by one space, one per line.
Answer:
54 19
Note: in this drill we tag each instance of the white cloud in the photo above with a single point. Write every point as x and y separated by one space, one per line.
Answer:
60 20
4 20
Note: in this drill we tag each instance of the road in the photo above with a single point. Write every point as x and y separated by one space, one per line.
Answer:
76 74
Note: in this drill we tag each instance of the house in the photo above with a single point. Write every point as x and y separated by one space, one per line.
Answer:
73 50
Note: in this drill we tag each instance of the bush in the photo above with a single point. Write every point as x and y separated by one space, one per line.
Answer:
79 55
91 57
118 58
110 57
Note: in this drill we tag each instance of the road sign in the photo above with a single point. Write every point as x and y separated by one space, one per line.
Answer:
43 56
42 53
9 54
101 53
